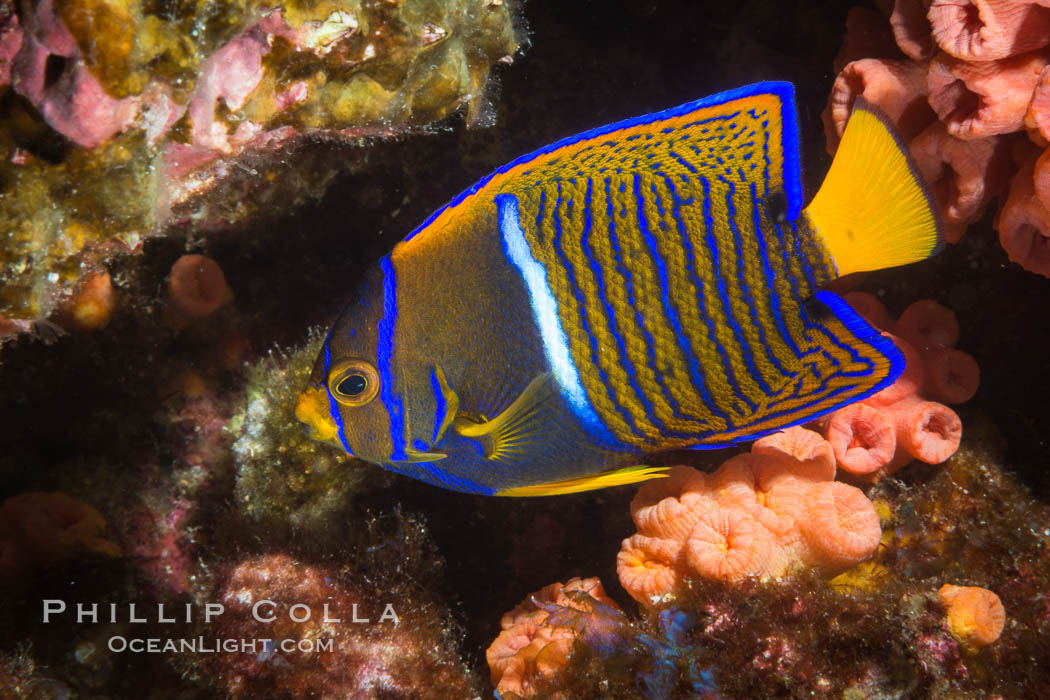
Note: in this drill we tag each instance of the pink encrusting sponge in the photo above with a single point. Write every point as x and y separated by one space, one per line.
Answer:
889 429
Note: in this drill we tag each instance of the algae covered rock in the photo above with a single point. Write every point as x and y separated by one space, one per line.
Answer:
123 119
284 479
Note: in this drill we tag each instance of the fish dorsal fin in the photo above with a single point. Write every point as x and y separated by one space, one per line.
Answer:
873 209
747 135
619 477
518 430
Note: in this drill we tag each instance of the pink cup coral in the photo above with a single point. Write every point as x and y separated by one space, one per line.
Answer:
964 174
759 514
92 304
1024 222
974 100
911 28
981 67
898 87
197 285
841 527
887 430
985 30
728 543
649 567
863 437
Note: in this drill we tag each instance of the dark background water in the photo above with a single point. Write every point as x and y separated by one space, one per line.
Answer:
587 63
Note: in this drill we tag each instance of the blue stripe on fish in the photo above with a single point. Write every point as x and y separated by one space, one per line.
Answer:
332 407
650 342
712 247
545 309
577 290
774 298
861 329
864 332
670 312
695 371
610 315
746 350
391 399
632 371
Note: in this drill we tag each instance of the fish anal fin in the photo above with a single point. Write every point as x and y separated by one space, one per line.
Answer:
618 477
873 210
515 432
846 360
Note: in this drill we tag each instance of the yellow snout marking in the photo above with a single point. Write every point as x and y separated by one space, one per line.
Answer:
312 408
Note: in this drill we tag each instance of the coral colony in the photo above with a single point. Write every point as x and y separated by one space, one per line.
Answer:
167 529
967 83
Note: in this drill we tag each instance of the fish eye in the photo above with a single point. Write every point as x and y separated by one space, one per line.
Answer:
353 382
352 385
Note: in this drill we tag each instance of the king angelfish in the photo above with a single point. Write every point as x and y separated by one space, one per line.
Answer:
649 285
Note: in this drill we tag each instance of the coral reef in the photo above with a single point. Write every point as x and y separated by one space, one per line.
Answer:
886 431
540 634
878 630
760 514
20 678
190 116
965 83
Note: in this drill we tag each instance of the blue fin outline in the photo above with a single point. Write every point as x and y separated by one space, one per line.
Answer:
384 356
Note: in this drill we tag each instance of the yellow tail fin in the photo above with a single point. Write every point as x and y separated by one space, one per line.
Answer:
873 210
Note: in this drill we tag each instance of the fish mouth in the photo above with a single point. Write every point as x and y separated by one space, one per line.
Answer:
312 410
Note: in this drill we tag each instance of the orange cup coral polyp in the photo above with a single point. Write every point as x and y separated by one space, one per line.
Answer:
649 566
841 527
536 642
976 616
197 285
727 543
759 514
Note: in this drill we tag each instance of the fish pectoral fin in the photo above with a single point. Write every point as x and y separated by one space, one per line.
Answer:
414 456
520 427
618 477
451 403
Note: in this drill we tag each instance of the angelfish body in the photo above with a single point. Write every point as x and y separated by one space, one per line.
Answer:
648 285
